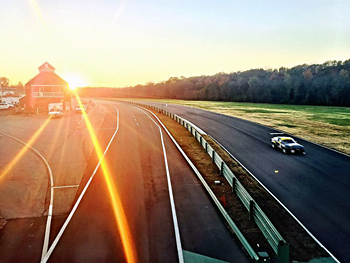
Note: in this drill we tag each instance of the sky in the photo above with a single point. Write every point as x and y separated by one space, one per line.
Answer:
119 43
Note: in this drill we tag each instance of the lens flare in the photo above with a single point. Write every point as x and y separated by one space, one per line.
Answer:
40 16
24 149
117 205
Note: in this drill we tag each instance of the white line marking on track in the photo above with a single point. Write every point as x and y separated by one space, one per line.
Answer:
49 215
60 233
66 186
171 196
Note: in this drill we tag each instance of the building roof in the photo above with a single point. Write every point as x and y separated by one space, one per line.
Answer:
47 76
46 66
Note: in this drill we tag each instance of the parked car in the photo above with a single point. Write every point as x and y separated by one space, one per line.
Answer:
55 113
79 109
286 144
5 105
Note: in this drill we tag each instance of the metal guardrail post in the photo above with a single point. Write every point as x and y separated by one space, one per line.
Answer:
222 169
200 140
206 147
283 252
234 180
251 209
213 156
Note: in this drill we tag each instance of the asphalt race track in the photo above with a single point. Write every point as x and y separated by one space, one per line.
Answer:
136 161
314 187
137 167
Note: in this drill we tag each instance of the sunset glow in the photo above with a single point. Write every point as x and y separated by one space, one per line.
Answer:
74 81
122 43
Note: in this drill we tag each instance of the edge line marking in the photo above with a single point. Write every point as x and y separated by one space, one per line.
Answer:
49 215
60 233
171 196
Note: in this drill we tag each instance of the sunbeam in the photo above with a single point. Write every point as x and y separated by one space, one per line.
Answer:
20 154
117 205
40 16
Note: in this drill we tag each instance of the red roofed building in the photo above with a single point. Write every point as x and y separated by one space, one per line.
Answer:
45 88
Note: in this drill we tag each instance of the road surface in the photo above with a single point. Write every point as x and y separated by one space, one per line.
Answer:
314 187
137 165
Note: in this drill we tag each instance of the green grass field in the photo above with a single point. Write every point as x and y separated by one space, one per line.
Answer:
329 126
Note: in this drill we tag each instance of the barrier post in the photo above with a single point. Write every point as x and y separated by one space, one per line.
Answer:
282 252
251 209
222 169
234 180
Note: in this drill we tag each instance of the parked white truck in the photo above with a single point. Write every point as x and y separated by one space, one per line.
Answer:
56 110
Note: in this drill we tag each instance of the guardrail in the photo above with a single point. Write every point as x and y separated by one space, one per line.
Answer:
276 241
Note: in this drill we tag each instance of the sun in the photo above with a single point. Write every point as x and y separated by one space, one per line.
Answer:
75 81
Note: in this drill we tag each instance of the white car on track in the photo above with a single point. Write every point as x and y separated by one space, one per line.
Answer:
286 144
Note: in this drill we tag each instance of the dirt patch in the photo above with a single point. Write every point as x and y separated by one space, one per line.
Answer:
302 246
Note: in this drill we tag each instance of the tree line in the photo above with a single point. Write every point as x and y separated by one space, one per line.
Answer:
5 82
317 84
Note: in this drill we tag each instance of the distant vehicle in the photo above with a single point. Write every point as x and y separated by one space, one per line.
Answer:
57 106
55 113
5 105
79 109
11 100
286 144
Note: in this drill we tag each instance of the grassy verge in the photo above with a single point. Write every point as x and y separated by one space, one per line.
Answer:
329 126
302 246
